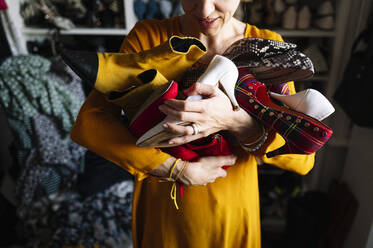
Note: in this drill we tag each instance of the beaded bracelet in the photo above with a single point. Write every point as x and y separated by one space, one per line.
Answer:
173 192
258 143
181 172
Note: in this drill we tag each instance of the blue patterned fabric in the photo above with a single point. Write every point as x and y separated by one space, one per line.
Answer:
41 99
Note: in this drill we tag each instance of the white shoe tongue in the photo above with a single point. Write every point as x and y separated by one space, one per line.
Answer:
310 102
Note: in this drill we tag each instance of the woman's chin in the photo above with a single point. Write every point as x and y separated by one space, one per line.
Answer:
211 29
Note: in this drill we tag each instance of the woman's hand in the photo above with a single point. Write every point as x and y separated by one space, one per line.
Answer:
206 170
212 114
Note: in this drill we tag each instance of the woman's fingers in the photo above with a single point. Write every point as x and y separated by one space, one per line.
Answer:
179 129
180 115
185 139
219 161
182 105
201 89
207 170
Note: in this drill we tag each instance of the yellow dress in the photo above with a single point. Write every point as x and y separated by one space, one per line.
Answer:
223 214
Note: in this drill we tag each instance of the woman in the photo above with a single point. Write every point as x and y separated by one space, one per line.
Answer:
220 208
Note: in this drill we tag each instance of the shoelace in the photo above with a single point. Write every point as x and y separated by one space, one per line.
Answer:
173 193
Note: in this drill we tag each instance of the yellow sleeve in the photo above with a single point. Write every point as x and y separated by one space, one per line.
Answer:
98 128
297 163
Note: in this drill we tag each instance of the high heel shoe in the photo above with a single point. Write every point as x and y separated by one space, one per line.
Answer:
135 99
3 5
141 104
302 133
310 102
270 62
149 115
109 72
220 70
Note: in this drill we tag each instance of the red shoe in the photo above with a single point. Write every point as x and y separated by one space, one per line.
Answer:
149 115
303 134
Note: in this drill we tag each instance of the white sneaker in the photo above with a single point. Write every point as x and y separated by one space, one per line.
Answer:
326 22
304 18
289 19
326 16
256 13
326 8
279 6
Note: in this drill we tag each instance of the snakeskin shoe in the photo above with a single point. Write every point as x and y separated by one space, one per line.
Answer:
269 61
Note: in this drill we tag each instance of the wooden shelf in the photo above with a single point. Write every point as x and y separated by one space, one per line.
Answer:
123 31
306 33
76 31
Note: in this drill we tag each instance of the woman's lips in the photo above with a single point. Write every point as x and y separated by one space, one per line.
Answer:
207 22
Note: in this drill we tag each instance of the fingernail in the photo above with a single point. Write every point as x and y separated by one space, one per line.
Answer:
171 142
165 125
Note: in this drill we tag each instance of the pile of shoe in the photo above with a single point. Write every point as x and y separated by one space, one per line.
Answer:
324 18
139 89
304 14
67 14
148 9
104 13
289 14
139 83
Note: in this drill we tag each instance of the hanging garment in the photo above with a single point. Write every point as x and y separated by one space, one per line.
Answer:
353 93
101 220
40 111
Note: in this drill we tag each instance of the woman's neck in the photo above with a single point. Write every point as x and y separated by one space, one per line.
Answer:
215 43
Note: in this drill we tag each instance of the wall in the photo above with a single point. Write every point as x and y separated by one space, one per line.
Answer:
370 238
358 166
358 173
